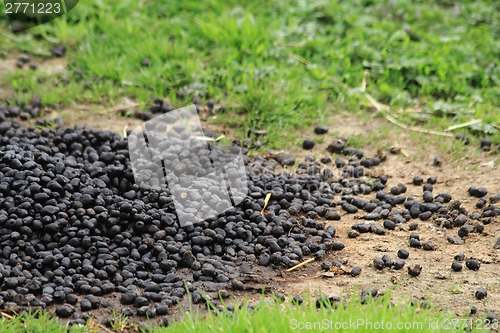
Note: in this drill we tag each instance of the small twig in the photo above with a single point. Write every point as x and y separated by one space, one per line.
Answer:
376 104
266 200
363 81
8 316
416 129
125 128
469 123
101 326
299 58
300 265
404 153
206 138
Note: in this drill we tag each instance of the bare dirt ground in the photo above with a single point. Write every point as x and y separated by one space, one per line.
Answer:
437 283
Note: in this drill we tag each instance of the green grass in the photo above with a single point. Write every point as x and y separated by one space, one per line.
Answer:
352 316
440 57
35 322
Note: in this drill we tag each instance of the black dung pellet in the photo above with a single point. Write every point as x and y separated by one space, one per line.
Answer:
398 264
355 271
378 263
481 293
352 234
418 180
308 144
320 130
456 266
387 260
477 192
403 253
472 264
415 270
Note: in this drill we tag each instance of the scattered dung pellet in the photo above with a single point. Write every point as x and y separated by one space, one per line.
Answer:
399 264
387 260
378 263
332 214
481 293
477 192
390 225
355 271
427 187
336 147
352 234
398 189
455 240
437 161
377 229
415 270
308 144
279 297
429 246
367 294
445 197
146 62
349 151
495 198
418 180
403 253
362 227
496 246
485 144
473 310
65 311
337 246
320 130
297 300
432 180
351 209
415 243
326 265
492 318
480 203
325 159
395 150
456 266
427 196
465 230
464 139
223 294
24 59
324 301
473 264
